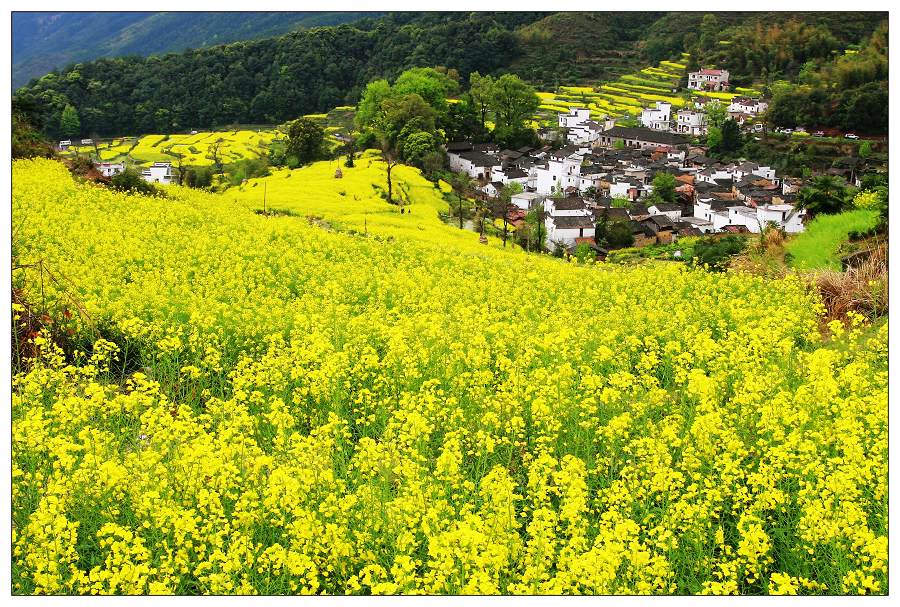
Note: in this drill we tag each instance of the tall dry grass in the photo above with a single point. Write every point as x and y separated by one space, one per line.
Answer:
862 289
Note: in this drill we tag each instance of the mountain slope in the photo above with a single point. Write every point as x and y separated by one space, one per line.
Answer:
312 70
42 42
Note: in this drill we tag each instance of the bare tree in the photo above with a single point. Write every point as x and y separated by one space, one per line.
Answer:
463 186
214 154
179 166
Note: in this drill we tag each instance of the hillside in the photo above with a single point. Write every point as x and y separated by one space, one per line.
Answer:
241 403
275 79
42 42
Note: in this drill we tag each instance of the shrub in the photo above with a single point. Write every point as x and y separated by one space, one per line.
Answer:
717 252
130 180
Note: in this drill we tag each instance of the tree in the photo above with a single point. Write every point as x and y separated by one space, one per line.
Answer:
398 118
370 104
130 180
513 102
664 187
26 137
731 137
463 186
709 32
416 147
601 229
198 177
214 153
481 91
429 84
865 150
432 163
502 207
462 121
535 220
350 151
305 140
69 122
619 235
716 113
179 166
713 138
825 194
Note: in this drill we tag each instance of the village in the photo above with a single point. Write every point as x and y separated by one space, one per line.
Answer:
605 172
589 172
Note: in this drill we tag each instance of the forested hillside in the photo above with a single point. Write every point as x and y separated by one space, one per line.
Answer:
42 42
275 79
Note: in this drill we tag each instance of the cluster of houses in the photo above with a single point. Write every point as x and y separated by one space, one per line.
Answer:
575 186
690 121
158 172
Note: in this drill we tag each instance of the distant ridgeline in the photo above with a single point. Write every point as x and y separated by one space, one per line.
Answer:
275 79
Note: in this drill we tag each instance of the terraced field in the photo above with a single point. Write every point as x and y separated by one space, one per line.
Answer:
625 96
629 94
194 148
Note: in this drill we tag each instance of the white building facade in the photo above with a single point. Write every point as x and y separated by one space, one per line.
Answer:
658 117
708 80
159 172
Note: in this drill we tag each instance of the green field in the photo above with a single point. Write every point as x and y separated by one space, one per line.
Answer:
816 248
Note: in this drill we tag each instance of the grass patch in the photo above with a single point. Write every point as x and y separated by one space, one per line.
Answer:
816 248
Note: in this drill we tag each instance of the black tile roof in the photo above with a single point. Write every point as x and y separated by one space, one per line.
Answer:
566 222
644 134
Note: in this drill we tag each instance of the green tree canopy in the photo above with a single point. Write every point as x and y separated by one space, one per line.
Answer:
824 194
664 187
513 101
429 84
305 140
481 91
69 122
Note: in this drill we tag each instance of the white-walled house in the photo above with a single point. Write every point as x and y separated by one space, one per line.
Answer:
584 132
658 117
526 200
563 170
474 163
706 227
565 229
748 105
715 211
631 189
788 217
159 172
723 213
108 169
670 210
784 216
751 168
708 80
691 122
574 117
567 219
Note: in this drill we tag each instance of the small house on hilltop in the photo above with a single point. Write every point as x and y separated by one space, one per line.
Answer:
708 80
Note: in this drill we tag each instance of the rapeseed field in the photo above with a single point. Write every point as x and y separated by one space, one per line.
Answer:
279 404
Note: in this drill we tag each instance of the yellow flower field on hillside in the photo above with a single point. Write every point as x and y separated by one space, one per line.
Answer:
194 148
265 404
